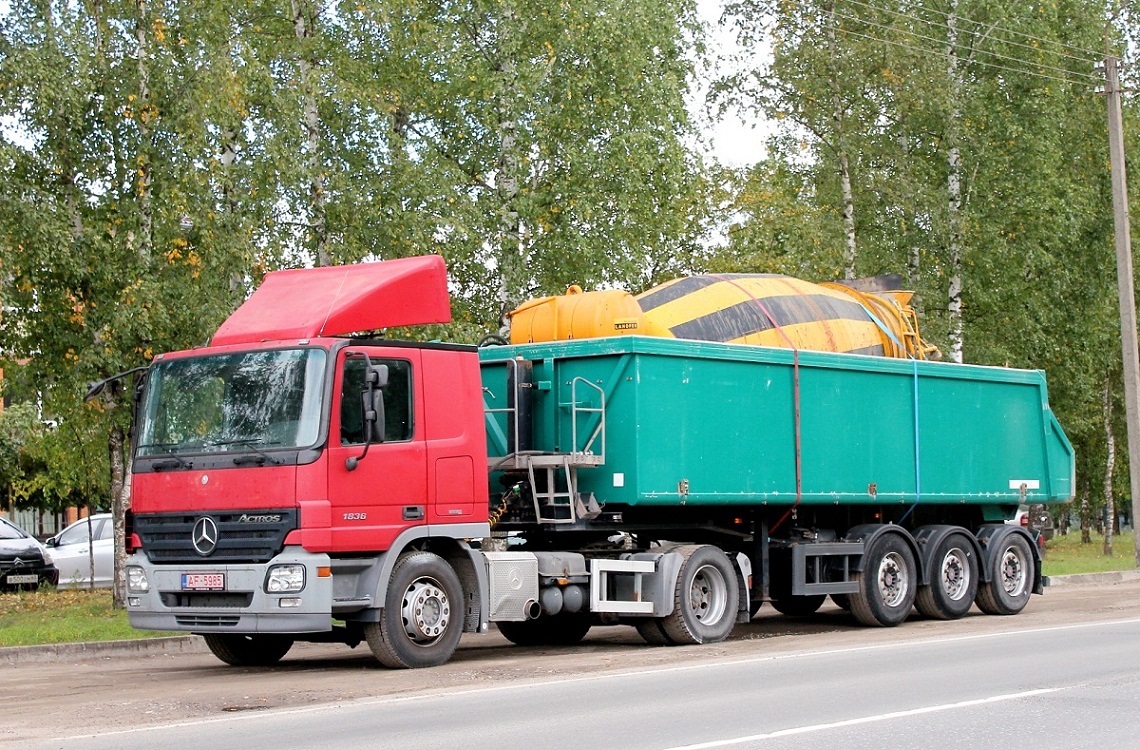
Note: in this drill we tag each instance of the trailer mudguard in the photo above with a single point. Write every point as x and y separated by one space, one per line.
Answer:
867 534
929 537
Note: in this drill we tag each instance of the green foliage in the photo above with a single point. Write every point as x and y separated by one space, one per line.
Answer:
160 157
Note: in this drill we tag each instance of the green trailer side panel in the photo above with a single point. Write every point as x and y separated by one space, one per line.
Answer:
705 423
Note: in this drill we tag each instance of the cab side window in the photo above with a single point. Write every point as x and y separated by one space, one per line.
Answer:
397 401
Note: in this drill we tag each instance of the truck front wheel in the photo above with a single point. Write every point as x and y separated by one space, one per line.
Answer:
423 614
705 600
239 650
886 583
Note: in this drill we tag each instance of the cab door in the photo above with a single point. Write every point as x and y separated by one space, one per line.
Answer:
386 492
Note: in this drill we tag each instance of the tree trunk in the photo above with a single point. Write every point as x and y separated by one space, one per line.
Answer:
954 189
849 248
1086 536
511 253
1109 465
120 503
838 119
145 113
304 26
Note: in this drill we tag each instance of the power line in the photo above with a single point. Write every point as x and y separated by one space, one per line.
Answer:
966 47
944 14
1088 59
928 51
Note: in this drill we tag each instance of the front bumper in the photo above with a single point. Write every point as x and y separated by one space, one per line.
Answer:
242 606
21 578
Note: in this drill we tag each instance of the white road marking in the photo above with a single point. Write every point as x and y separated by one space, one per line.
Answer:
792 731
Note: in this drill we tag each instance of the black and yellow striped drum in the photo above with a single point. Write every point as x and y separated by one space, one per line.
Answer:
870 316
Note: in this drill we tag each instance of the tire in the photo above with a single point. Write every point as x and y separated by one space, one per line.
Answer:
423 614
705 599
887 583
239 650
1012 569
651 631
799 606
953 580
556 630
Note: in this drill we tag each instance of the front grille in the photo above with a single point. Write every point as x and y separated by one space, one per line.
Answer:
28 561
207 621
244 536
207 599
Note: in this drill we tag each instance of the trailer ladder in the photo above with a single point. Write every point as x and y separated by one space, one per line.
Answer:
553 476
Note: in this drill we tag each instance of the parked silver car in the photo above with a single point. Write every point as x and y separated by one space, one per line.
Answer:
72 551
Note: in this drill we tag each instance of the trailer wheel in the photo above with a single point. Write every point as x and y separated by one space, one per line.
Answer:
954 580
1011 578
240 650
799 606
704 602
422 618
554 630
886 583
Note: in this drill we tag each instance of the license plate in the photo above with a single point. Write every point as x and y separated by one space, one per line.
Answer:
17 579
203 581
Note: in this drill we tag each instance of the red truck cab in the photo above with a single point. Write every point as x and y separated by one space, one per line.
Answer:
275 470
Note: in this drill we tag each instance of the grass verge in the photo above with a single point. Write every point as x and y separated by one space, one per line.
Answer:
1066 555
31 618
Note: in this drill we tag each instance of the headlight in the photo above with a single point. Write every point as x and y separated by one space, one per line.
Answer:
48 558
136 580
285 579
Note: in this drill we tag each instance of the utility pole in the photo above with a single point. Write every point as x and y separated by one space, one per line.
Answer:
1124 280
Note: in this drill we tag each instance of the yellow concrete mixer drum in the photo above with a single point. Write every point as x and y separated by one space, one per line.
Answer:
757 309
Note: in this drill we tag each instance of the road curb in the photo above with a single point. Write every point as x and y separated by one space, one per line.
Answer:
1115 576
59 652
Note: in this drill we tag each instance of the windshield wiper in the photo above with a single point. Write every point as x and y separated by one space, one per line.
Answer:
250 443
174 462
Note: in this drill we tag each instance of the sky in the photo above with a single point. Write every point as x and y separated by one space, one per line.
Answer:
733 140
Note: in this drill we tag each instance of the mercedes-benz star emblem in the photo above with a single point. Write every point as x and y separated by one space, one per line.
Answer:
205 535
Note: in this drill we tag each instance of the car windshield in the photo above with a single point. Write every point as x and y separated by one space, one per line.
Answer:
246 401
8 531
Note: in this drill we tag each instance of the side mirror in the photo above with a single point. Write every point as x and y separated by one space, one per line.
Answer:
372 409
376 376
52 542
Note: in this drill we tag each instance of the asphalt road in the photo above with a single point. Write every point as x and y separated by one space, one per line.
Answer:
1061 675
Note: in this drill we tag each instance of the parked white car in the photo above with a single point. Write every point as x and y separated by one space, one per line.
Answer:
71 550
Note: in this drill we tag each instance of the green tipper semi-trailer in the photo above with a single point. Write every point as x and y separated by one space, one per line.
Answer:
294 481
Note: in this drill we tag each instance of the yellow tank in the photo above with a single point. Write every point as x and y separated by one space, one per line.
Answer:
758 309
580 315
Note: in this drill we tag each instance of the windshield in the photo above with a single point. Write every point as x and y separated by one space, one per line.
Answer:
8 531
233 402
